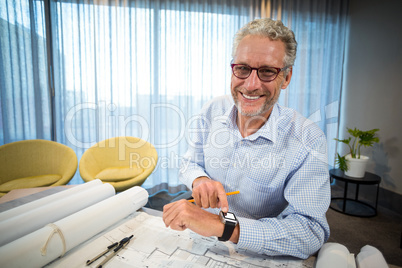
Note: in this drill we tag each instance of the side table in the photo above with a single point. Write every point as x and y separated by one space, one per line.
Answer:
354 207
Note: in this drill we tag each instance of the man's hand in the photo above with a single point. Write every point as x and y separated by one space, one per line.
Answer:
182 214
209 193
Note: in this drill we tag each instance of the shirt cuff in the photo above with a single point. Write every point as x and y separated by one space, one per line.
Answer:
252 235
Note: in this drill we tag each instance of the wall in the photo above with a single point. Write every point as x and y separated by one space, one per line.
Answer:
372 88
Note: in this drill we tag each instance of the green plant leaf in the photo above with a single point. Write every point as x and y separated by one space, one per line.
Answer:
354 132
342 162
368 138
361 138
346 141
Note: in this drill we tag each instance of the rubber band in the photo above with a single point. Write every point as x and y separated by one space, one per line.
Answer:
56 230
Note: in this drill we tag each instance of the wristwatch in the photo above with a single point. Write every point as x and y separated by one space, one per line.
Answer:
230 221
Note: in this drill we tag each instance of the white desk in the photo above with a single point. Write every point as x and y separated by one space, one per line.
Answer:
154 245
19 197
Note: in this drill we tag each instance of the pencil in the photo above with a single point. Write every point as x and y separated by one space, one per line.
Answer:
227 194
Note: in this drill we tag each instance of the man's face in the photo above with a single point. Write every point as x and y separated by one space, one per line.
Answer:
252 96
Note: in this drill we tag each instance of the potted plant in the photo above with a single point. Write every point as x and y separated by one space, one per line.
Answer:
353 163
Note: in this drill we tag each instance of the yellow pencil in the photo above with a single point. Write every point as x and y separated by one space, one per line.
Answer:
227 194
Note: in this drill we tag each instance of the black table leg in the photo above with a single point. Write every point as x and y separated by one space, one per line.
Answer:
376 199
355 207
345 195
357 191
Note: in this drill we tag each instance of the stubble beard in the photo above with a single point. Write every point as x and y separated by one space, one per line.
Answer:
268 104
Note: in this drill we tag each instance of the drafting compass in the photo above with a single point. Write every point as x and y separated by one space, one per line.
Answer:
114 248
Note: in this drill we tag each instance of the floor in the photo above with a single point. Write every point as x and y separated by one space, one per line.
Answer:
383 231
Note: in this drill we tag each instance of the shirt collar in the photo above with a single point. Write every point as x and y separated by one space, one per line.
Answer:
268 131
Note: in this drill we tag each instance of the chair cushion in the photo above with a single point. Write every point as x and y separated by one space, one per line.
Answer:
30 182
119 173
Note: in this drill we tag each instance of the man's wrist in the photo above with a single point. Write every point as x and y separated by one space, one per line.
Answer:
216 228
198 180
236 234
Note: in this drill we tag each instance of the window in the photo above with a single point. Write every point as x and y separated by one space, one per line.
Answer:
144 68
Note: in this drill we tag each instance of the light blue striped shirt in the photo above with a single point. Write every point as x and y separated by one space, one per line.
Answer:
280 170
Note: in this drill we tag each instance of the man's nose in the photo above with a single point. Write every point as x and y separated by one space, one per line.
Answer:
252 82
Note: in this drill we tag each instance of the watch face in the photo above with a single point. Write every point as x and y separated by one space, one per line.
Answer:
228 217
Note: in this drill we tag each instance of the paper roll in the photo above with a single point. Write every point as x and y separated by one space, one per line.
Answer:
35 219
370 257
46 244
54 198
334 255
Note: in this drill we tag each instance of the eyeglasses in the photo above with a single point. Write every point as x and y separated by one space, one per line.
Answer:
265 74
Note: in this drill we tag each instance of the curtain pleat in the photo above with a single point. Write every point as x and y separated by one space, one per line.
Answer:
24 96
320 30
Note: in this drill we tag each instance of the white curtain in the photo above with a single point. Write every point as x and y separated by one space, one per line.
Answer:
24 98
145 68
320 28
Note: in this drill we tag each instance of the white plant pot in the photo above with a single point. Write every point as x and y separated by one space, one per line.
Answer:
356 167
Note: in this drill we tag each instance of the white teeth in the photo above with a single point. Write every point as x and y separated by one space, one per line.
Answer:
250 97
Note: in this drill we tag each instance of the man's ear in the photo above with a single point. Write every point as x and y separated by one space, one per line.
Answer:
288 77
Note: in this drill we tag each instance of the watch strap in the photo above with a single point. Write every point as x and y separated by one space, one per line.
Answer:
228 231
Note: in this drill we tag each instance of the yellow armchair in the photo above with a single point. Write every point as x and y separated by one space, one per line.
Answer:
123 162
35 163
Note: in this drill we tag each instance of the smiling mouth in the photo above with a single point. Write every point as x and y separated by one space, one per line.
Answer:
250 97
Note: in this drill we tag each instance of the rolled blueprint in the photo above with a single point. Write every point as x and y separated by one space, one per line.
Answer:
54 198
370 257
334 255
54 240
35 219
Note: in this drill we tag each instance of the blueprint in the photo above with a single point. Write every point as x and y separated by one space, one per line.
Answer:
154 245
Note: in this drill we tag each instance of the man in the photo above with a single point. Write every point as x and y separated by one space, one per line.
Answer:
271 154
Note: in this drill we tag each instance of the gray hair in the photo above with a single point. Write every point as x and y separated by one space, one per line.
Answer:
272 29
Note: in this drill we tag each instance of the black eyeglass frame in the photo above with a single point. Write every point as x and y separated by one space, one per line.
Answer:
251 68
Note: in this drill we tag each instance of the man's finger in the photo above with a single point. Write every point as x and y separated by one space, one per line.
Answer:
197 198
213 200
223 200
204 201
